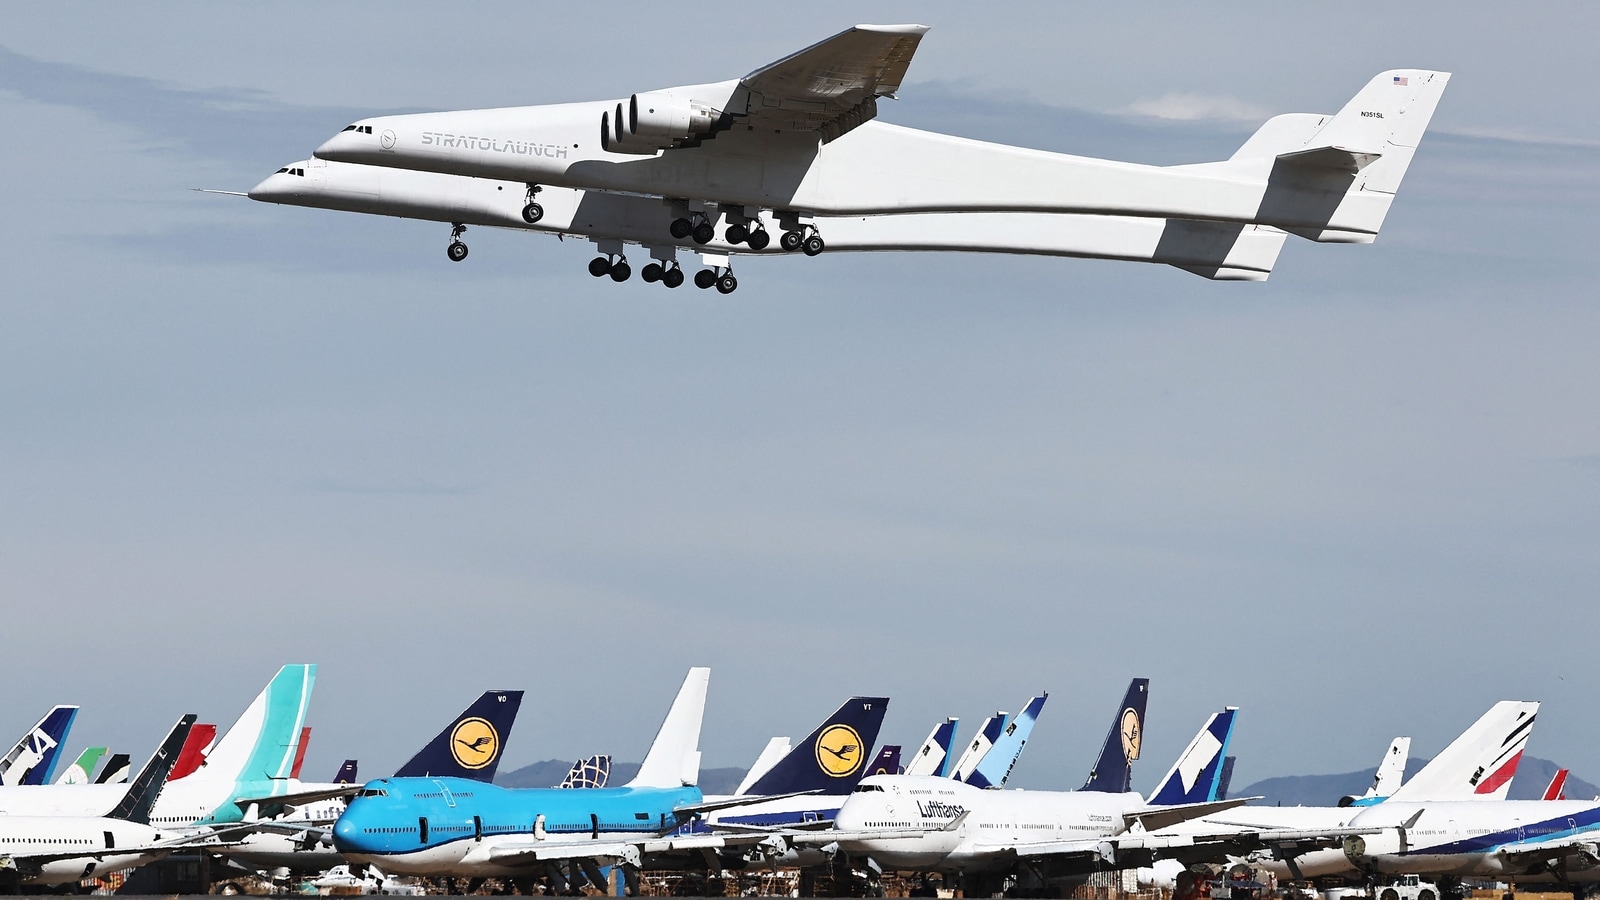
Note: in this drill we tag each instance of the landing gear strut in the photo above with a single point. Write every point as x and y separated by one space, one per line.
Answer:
615 266
756 237
697 227
806 239
670 275
533 212
457 251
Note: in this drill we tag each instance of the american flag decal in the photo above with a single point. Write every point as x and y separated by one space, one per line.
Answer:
1401 80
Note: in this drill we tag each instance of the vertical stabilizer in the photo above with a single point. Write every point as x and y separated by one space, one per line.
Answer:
32 760
995 766
1480 763
887 762
471 745
674 757
347 773
261 745
116 770
300 752
1227 777
589 772
193 754
1197 775
1391 771
988 733
933 757
776 749
833 757
1113 771
141 796
82 771
1557 789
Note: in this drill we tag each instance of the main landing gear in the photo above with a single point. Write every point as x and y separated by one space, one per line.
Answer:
757 238
457 251
615 266
697 227
670 275
533 212
805 239
722 278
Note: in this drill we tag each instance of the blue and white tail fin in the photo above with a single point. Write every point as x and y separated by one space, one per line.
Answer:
589 772
995 766
1480 764
1113 771
1391 772
988 733
674 757
141 796
887 762
1197 775
933 757
1227 777
833 757
470 746
32 760
82 771
347 773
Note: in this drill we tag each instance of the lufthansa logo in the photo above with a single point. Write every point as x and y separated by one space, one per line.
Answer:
387 139
839 751
474 743
1132 734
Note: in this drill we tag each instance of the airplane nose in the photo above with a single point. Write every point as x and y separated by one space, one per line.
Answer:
270 190
346 835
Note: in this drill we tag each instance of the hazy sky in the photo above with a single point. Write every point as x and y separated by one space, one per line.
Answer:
1360 500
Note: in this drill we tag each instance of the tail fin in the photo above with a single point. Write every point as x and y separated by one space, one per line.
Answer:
1481 762
33 759
1558 786
1226 780
193 754
995 767
887 762
116 770
771 755
141 795
1113 771
988 733
933 757
590 772
674 757
469 747
1346 174
300 752
1197 775
833 757
1391 771
82 771
346 773
261 744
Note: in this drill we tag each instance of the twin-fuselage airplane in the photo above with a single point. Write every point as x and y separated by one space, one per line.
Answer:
794 147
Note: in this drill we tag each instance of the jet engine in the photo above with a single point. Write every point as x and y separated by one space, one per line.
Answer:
656 121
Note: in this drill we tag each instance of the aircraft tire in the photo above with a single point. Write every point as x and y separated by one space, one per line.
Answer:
704 278
682 228
532 213
652 273
813 245
737 234
758 240
704 233
727 284
672 277
599 267
791 240
457 251
620 271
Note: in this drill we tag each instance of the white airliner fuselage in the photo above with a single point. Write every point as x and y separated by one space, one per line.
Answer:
90 846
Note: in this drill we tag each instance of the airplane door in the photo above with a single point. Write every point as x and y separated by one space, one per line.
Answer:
422 829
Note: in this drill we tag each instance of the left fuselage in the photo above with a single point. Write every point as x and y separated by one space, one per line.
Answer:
104 844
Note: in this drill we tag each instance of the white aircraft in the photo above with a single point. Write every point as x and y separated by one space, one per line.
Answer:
794 140
49 850
341 879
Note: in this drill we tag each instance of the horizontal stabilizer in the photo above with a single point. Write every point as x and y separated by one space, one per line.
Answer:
1339 159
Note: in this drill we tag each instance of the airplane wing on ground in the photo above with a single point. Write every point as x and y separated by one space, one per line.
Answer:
833 85
301 798
1186 847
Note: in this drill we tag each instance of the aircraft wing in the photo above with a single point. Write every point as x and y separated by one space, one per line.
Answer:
834 85
689 809
629 852
1154 817
1529 855
1187 847
301 798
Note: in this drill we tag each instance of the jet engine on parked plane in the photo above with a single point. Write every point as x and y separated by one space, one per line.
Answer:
658 120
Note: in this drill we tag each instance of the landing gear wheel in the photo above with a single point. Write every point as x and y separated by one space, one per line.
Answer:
704 233
599 267
532 213
791 240
737 233
682 228
727 284
704 278
652 273
620 270
813 245
759 239
457 251
672 277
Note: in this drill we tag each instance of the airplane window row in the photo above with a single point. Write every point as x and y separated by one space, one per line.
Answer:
11 840
359 129
389 830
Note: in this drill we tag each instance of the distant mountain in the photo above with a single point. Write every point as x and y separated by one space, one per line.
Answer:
549 772
1533 776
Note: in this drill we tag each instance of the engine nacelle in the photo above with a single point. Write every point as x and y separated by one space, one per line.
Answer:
656 121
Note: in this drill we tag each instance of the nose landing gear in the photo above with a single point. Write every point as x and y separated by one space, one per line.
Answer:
457 250
533 212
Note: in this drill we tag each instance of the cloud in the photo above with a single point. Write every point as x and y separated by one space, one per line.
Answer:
1184 107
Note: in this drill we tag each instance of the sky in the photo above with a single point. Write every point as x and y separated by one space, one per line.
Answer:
1361 499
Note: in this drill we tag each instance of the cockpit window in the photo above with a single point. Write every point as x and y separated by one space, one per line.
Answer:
373 792
867 788
348 128
359 129
283 170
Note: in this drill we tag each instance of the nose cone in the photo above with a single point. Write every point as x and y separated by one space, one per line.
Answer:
272 189
347 836
351 145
